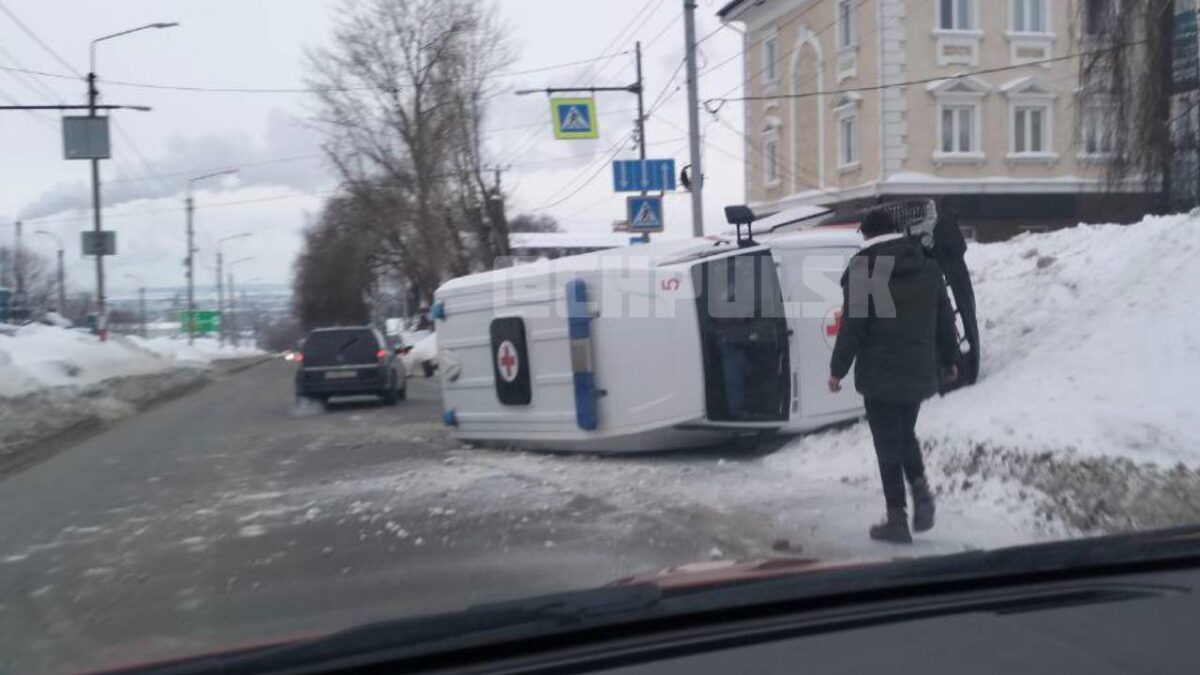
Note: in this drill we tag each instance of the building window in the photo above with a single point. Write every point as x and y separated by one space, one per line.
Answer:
1030 119
771 157
847 140
770 59
1030 129
1029 16
847 24
958 119
1095 130
956 14
958 125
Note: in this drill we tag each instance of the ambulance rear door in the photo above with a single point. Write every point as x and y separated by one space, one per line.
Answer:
810 279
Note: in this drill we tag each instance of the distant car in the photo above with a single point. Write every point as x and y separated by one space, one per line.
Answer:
421 351
349 361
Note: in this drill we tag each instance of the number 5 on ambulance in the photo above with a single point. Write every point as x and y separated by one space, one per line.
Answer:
672 344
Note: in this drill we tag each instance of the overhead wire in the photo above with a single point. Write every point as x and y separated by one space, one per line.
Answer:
938 78
41 43
633 21
285 90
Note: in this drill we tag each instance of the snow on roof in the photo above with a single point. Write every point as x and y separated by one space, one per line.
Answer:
551 240
643 257
790 216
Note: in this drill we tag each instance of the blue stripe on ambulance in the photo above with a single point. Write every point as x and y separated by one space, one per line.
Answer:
579 325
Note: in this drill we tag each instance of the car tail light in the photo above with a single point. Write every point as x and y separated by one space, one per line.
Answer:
298 358
381 355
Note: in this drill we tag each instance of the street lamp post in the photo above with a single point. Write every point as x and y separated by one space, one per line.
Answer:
141 301
220 291
62 286
189 260
256 315
19 266
233 334
93 94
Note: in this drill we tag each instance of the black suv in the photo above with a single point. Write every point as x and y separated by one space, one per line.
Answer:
349 361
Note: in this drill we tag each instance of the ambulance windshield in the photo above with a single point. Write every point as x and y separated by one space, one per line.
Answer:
743 335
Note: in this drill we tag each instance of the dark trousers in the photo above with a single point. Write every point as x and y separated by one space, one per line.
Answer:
893 427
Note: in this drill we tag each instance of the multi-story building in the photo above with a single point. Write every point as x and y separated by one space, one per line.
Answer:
968 101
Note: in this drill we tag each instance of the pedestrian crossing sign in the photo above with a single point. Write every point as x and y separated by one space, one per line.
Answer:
645 213
574 118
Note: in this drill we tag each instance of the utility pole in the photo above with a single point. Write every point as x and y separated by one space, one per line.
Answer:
220 303
101 302
220 292
189 263
62 286
233 336
641 120
693 103
19 267
142 309
189 260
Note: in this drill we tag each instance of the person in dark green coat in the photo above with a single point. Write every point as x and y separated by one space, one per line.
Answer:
898 331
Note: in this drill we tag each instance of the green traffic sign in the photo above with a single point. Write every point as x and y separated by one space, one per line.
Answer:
202 322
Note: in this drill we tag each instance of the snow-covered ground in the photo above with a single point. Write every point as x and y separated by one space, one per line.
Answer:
1086 410
54 378
37 357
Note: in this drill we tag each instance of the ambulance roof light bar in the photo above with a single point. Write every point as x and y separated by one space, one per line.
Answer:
739 215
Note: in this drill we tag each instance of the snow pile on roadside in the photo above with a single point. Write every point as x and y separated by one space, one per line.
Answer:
1088 386
37 357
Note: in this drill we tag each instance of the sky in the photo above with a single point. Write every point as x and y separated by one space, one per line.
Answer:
282 178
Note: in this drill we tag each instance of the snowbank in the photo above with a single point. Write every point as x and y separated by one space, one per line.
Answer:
1089 378
37 357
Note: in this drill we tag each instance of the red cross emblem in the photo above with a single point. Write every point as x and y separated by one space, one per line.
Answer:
833 324
507 362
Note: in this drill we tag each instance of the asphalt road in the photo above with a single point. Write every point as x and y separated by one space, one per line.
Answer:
230 516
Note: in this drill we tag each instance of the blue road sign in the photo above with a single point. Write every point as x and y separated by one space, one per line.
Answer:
645 213
651 175
574 118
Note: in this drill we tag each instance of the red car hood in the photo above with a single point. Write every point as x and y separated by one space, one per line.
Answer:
721 572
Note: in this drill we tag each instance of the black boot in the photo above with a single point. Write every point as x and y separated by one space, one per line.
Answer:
923 506
894 529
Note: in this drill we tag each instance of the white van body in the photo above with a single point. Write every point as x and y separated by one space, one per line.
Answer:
655 368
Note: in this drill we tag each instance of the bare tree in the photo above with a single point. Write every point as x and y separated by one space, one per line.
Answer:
40 282
399 96
1125 69
536 222
333 279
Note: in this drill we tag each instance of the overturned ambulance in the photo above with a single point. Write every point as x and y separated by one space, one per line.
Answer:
670 344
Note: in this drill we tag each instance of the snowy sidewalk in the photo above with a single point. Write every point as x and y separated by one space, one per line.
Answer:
55 379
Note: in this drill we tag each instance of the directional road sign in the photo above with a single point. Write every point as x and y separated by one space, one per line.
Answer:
574 118
644 175
645 213
202 321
